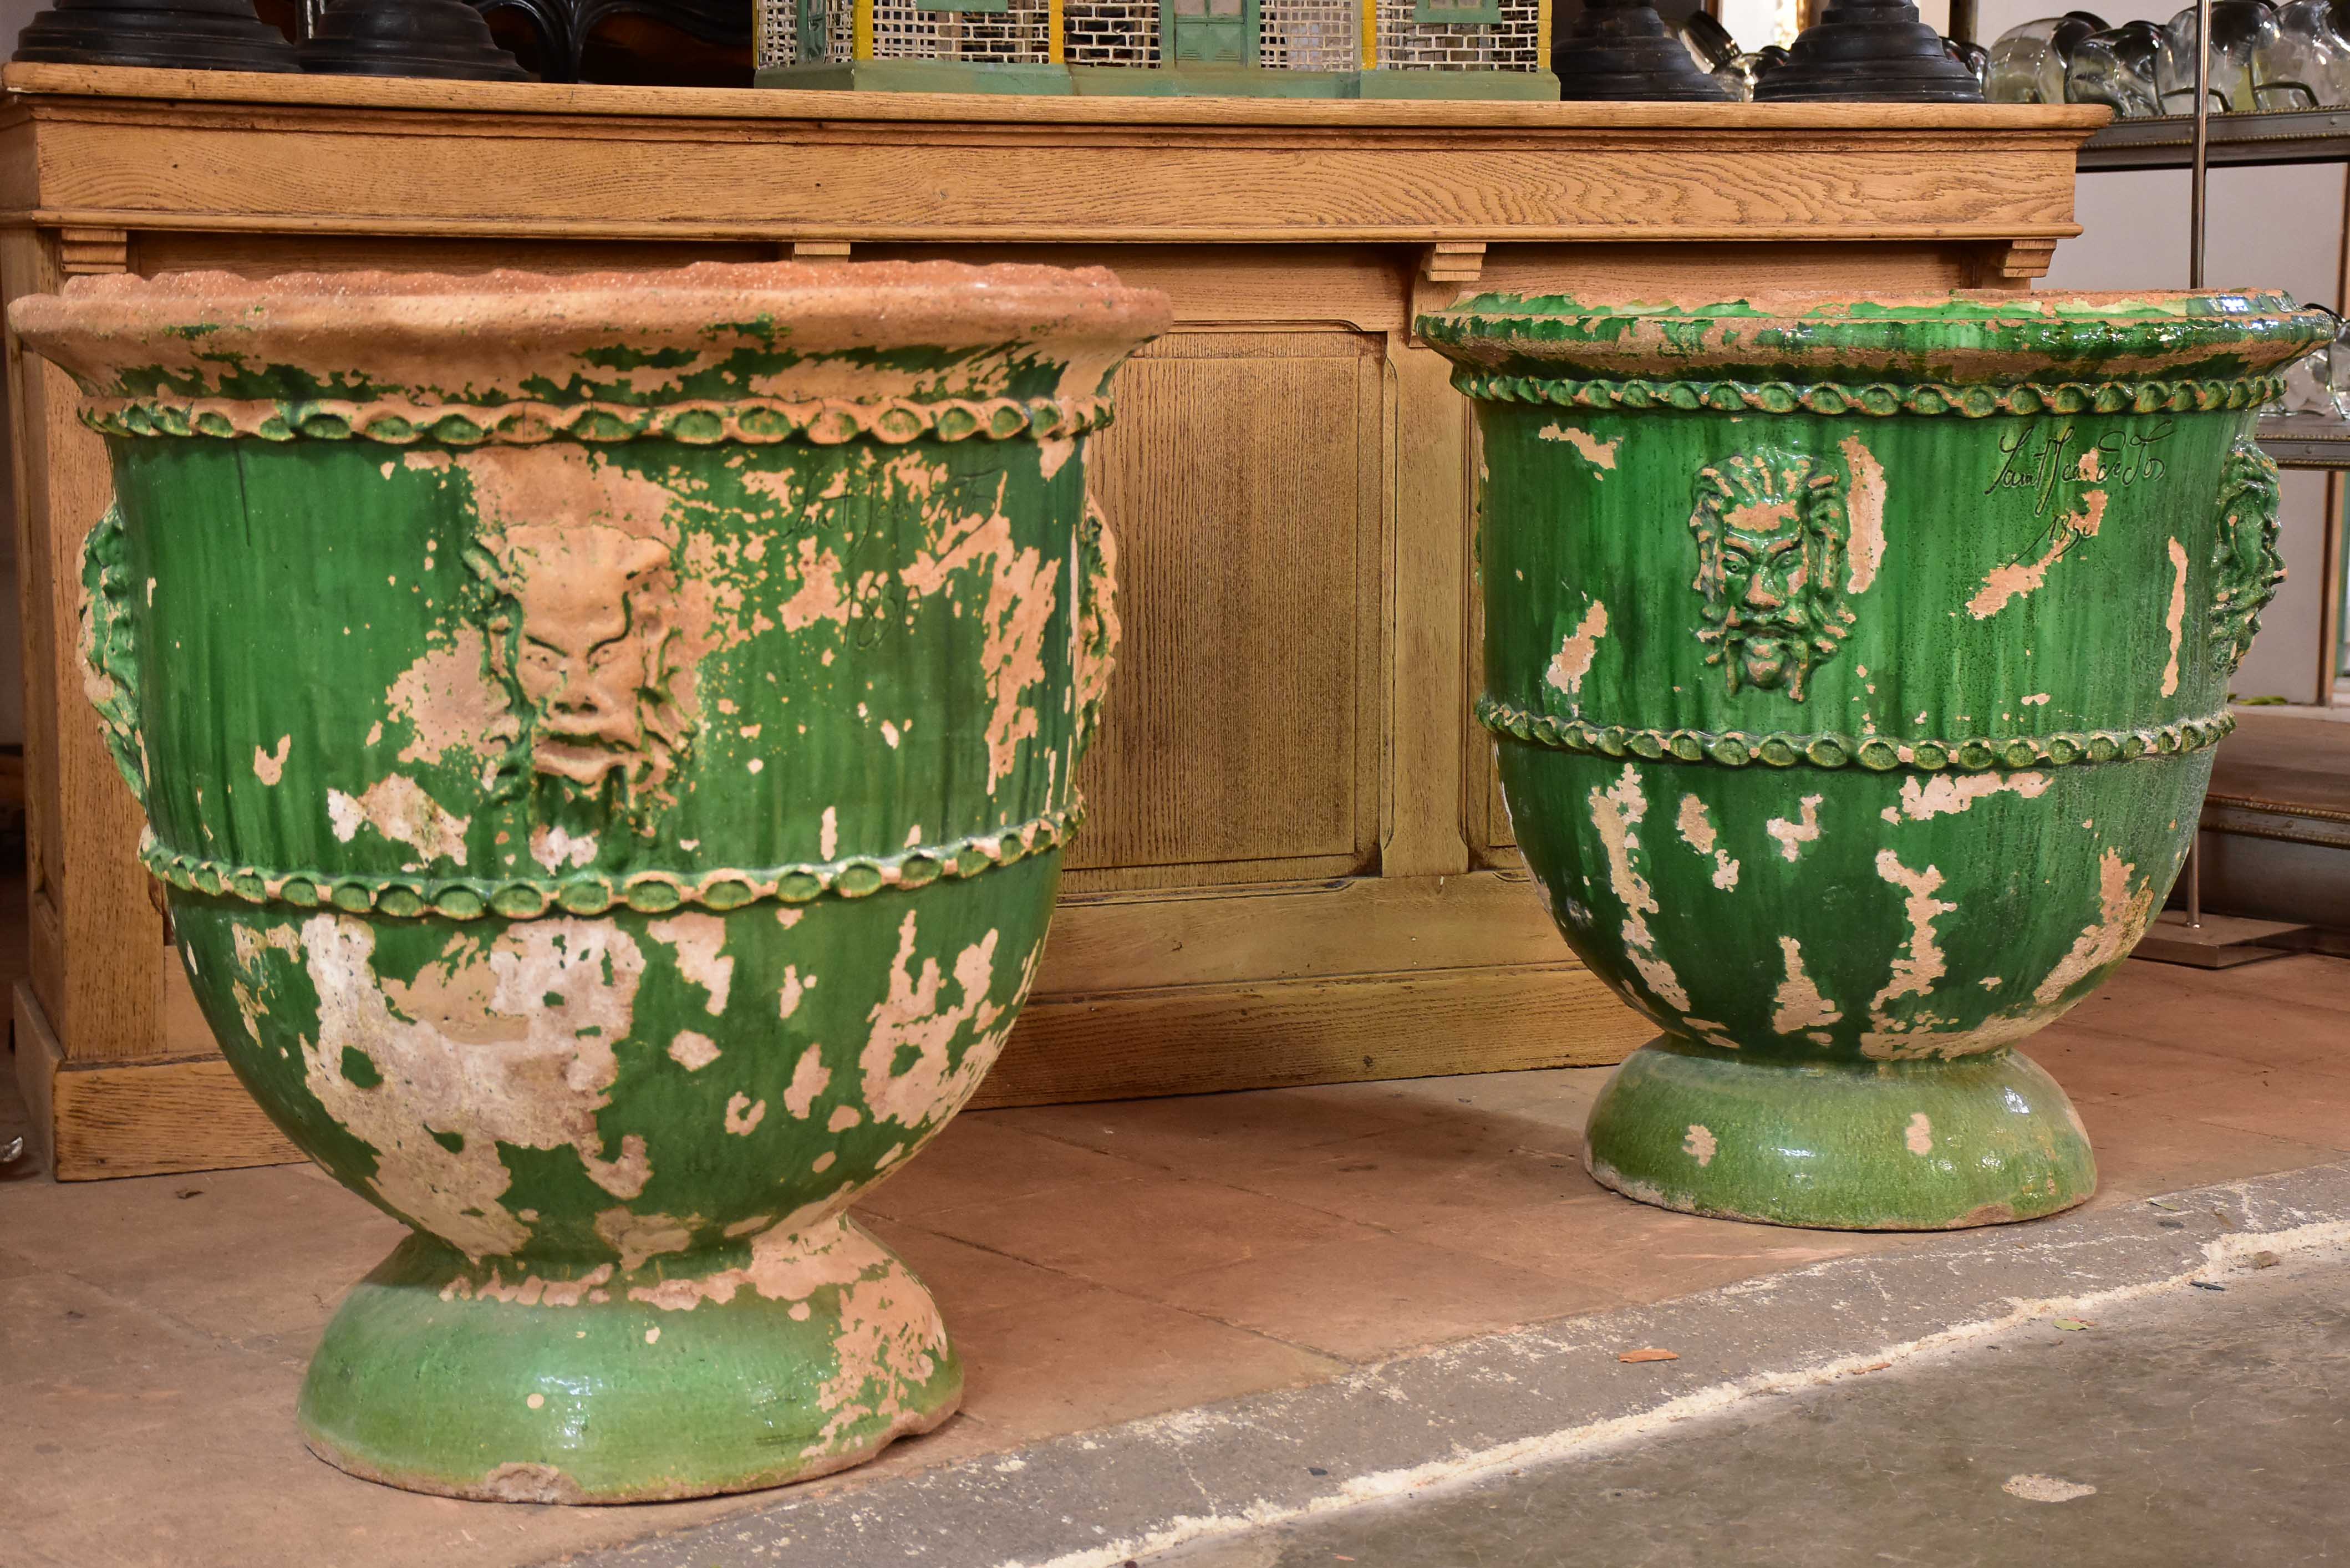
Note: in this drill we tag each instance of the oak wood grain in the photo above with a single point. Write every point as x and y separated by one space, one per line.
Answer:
548 98
1273 1035
1345 926
1241 480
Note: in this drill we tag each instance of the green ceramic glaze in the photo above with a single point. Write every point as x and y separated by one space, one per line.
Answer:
1855 667
609 742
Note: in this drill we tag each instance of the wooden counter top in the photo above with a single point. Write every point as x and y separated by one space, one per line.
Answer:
225 151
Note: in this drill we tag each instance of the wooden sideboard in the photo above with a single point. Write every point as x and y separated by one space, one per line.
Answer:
1297 869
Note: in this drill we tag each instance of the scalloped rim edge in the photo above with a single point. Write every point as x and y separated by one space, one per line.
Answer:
695 422
1878 754
651 892
1878 398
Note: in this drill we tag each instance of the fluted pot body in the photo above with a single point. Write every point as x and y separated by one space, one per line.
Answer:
608 741
1855 667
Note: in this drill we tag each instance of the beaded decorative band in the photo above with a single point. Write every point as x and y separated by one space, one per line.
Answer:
594 892
706 423
1879 398
1738 748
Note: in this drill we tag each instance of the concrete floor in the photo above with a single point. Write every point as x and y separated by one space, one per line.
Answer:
2203 1427
152 1332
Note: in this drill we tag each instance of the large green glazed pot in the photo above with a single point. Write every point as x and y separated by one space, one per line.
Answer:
1855 667
608 741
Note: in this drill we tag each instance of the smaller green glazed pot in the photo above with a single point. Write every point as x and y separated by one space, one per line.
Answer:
608 740
1855 666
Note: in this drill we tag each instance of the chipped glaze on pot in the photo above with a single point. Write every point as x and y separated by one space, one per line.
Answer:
1855 666
608 740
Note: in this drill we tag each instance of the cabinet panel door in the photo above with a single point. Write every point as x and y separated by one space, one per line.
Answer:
1242 478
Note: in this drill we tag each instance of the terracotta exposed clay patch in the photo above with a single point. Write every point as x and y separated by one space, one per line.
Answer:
790 1262
692 1051
1918 1137
697 938
1697 831
1021 598
1920 964
1865 508
270 766
450 702
530 1290
2002 584
1573 660
552 997
1616 813
1599 455
396 807
916 1017
1915 971
2122 917
637 1237
810 1078
1700 1145
557 850
1793 836
788 994
821 595
744 1114
2176 617
1945 794
1098 632
518 486
1800 1005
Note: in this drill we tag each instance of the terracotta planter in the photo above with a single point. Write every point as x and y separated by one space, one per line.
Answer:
608 741
1855 667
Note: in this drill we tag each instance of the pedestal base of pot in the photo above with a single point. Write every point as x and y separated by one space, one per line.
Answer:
691 1374
1891 1146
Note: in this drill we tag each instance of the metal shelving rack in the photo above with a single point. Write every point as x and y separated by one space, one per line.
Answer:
2289 136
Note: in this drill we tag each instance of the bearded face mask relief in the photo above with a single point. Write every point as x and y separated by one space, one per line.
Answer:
587 639
1771 545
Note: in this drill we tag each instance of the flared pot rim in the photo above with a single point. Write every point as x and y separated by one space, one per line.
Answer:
476 336
1959 335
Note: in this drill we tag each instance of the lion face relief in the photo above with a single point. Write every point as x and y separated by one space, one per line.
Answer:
588 641
1770 546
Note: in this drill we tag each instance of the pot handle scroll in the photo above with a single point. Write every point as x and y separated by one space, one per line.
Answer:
110 649
2246 566
1098 632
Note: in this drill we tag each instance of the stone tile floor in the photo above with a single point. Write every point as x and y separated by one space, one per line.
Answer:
1097 1262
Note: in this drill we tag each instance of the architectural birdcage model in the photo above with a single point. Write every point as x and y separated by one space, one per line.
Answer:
1287 48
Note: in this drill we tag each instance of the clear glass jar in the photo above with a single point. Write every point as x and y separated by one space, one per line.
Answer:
2116 68
2305 64
2239 29
2027 62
